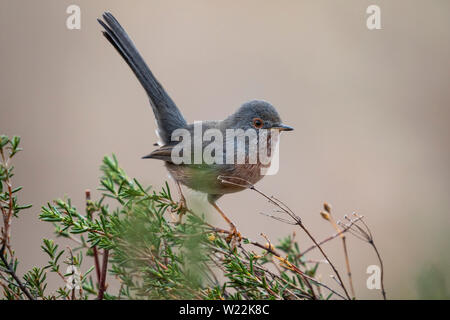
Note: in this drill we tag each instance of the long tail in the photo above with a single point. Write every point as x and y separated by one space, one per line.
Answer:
168 116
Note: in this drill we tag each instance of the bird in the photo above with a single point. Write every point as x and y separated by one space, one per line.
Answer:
214 179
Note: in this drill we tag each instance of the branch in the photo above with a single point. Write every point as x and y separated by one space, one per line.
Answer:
290 213
345 229
89 214
102 287
13 274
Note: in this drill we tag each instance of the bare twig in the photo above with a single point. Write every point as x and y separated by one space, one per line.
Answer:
363 232
90 214
329 217
343 230
246 184
6 230
10 270
383 291
347 263
102 288
326 257
73 272
269 248
8 211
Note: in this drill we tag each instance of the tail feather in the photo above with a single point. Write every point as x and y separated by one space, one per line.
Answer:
168 116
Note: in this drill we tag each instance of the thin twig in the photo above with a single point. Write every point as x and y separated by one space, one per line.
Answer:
345 229
102 288
94 248
73 272
383 291
329 217
7 214
325 256
364 233
13 274
290 213
6 230
347 263
259 266
270 250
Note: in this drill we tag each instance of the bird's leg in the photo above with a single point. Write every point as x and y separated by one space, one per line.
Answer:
234 234
181 207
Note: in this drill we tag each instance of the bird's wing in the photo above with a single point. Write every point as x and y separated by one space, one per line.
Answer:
168 116
165 152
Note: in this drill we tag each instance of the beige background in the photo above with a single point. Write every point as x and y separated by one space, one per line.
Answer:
370 108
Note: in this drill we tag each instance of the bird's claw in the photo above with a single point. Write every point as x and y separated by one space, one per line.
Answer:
234 236
181 208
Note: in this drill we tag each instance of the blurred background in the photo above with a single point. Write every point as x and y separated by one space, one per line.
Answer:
370 111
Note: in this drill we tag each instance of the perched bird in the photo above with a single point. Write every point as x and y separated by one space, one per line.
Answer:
204 177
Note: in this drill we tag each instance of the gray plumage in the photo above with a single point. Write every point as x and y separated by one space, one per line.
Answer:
167 115
202 177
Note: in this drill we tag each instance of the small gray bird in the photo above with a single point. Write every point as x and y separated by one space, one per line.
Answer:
203 177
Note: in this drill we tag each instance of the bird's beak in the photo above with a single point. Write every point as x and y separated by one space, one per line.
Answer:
282 127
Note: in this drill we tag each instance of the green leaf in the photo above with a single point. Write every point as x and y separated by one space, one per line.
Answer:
3 140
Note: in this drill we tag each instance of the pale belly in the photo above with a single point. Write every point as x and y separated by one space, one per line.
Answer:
206 178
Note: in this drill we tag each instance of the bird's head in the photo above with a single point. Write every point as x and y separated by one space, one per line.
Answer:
256 114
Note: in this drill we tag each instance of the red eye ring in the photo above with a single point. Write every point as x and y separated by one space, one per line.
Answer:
258 123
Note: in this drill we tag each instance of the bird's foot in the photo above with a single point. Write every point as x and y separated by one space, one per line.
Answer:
181 208
234 236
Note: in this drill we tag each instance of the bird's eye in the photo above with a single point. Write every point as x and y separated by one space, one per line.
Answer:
258 123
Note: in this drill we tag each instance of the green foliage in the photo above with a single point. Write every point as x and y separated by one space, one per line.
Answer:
8 194
432 283
128 232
